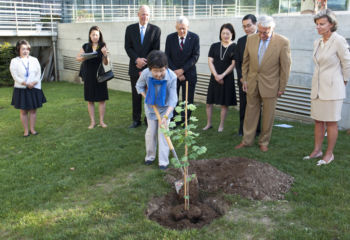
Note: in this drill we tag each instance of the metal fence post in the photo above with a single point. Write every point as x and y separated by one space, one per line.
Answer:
103 13
128 12
51 20
16 18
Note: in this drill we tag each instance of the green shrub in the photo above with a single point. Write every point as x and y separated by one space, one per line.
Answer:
6 54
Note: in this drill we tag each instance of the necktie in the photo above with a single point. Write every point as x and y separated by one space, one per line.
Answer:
262 51
182 43
142 34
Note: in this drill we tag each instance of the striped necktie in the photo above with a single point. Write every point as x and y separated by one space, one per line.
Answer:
182 43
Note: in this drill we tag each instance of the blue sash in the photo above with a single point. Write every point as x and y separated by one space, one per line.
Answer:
26 68
152 97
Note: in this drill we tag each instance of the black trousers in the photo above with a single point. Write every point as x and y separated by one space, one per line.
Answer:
136 101
191 89
242 106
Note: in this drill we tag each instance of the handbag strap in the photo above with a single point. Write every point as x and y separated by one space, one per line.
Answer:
109 63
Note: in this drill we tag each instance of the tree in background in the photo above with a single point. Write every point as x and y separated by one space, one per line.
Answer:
7 52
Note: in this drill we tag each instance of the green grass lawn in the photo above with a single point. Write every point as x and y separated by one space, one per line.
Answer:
73 183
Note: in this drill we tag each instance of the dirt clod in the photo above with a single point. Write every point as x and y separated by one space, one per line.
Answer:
246 177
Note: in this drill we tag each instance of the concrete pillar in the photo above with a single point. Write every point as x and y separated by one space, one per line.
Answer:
344 123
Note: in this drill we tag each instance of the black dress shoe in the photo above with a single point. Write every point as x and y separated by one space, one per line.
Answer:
135 124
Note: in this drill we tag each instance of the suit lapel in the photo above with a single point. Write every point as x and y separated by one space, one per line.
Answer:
187 42
315 50
176 42
325 48
147 34
255 43
137 32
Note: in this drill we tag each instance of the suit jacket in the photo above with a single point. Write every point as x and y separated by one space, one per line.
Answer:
332 68
273 73
135 49
185 59
239 55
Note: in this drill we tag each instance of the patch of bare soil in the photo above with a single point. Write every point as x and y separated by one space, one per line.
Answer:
246 177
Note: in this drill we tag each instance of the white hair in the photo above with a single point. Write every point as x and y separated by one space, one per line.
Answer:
266 21
145 7
182 20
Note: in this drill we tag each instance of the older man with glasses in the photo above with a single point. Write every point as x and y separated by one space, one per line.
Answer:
265 72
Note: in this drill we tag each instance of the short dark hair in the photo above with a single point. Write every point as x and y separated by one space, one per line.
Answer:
19 44
251 17
157 59
229 27
100 40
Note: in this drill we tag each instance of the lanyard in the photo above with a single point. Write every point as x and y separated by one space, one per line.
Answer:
26 68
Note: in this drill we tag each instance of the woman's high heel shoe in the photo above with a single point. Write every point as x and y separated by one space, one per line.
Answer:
323 162
316 156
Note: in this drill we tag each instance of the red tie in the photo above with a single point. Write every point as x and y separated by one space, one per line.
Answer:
182 43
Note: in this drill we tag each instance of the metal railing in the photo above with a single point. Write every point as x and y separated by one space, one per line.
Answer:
111 13
29 19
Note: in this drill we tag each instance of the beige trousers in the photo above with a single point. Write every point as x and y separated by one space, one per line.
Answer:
251 118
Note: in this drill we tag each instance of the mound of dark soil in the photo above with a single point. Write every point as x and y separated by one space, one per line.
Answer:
249 178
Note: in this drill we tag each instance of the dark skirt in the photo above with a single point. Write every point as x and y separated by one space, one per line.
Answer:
28 99
225 94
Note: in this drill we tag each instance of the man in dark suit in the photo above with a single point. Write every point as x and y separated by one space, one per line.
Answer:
182 49
249 27
140 39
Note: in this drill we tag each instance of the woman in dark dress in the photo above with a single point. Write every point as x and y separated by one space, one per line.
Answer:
27 94
221 89
94 91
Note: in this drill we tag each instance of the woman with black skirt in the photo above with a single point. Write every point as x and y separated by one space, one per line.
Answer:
94 91
27 93
221 89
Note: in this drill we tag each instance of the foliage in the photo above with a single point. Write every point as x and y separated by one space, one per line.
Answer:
185 137
178 136
83 15
7 52
47 18
269 7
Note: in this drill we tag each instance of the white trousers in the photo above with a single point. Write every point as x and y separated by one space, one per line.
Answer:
152 136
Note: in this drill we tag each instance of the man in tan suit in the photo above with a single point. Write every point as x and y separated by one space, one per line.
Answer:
265 70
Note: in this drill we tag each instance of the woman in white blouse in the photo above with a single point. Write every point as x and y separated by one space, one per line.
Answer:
332 72
27 94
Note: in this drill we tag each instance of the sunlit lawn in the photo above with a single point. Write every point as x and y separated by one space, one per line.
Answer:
73 183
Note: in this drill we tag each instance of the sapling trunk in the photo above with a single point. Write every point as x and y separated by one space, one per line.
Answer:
186 184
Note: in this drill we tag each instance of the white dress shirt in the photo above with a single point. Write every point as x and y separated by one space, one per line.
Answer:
183 42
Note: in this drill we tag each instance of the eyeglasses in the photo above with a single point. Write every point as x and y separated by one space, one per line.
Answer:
264 33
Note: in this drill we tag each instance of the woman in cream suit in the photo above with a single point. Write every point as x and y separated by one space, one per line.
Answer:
332 72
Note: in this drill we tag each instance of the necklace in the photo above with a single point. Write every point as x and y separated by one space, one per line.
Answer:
223 56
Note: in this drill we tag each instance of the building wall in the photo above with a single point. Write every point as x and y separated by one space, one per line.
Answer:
300 30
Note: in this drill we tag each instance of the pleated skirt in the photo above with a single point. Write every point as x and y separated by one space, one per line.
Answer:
27 99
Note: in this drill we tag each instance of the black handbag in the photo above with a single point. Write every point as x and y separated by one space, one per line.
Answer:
104 74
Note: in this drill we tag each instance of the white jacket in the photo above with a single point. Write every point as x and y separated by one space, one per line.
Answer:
18 72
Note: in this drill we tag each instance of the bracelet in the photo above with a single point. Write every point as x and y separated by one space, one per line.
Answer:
165 116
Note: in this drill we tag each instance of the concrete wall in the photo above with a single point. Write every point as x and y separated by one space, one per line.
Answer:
300 30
